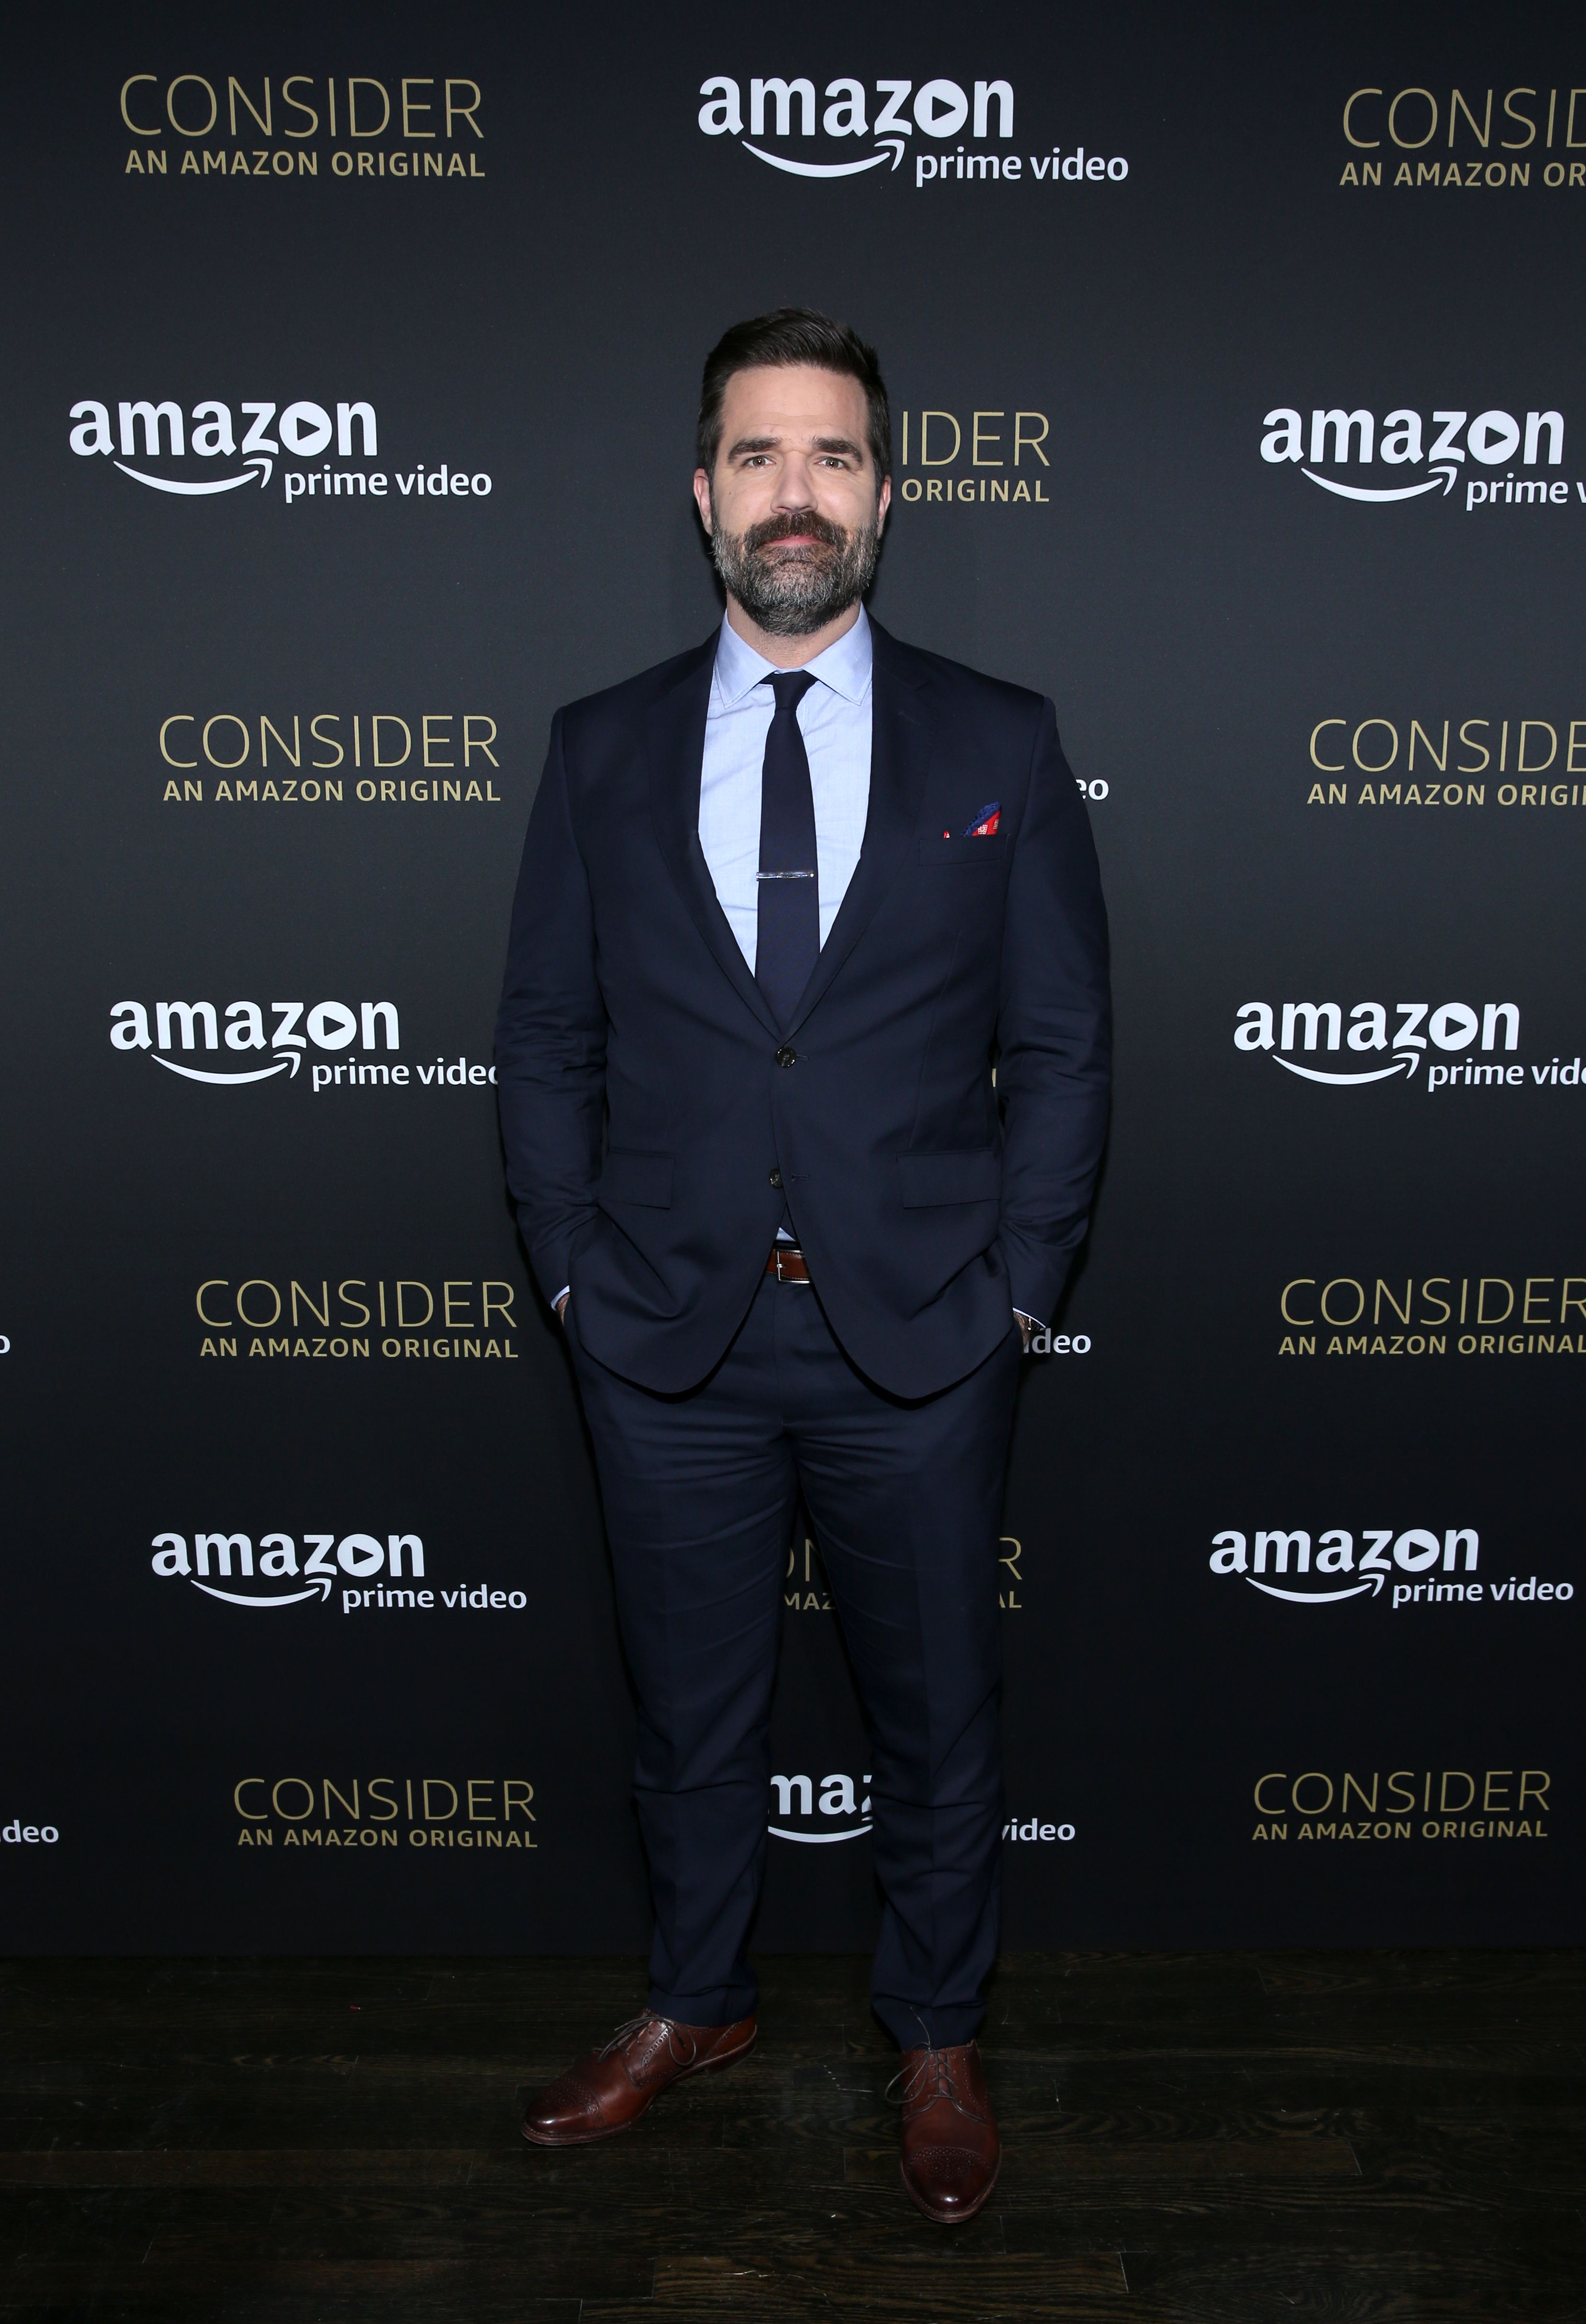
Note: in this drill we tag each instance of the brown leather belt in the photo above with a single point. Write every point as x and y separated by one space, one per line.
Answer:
787 1264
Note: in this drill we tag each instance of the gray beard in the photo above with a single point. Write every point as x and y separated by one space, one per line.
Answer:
795 594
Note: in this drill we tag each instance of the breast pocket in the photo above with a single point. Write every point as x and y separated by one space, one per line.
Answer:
948 853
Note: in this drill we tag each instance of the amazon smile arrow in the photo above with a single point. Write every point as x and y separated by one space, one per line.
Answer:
211 485
1396 492
817 1838
235 1598
1405 1066
893 146
1316 1597
193 1073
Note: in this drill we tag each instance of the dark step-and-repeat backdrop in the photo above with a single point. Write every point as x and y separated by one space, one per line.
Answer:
350 362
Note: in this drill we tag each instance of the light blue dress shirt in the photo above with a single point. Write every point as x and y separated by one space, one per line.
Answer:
834 720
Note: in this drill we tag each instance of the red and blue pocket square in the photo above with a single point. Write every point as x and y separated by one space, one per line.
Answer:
985 825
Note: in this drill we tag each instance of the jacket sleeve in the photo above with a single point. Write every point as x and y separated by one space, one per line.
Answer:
550 1036
1054 1067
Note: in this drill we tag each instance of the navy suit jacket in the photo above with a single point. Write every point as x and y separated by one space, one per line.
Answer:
936 1105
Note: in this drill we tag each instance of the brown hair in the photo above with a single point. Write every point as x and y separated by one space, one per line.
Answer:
787 336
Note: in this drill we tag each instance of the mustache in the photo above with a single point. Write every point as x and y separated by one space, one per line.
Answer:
792 596
791 524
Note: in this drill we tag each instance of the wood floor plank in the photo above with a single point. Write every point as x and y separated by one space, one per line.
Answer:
986 2285
1408 2284
224 2295
68 2167
1053 2170
1029 2107
1255 2223
1517 1975
401 2237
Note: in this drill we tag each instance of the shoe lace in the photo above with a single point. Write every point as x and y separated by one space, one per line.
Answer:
635 2026
928 2078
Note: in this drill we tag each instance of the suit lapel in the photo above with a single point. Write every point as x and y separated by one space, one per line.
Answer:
675 749
900 750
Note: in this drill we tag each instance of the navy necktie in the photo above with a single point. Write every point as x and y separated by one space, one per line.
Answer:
788 932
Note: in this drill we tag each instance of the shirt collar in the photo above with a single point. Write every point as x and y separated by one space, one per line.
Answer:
845 666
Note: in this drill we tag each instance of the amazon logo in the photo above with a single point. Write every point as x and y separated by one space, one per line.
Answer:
1420 455
225 1565
841 1811
1279 1564
1365 1052
230 1040
147 437
888 112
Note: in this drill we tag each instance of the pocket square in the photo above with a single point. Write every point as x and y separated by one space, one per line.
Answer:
985 825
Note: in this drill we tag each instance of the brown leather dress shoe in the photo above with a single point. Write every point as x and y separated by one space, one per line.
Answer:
950 2150
611 2088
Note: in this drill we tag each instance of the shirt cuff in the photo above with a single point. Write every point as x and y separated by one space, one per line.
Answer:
561 1295
1033 1321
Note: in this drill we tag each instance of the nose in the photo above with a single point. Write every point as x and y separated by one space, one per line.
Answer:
795 485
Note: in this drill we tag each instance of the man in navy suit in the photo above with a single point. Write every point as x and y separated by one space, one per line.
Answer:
802 1062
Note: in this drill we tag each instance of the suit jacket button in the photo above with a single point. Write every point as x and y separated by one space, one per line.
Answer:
786 1057
775 1178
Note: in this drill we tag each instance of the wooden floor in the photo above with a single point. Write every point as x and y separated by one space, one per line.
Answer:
1202 2138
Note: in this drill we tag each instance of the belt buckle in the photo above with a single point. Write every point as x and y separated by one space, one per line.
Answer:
790 1251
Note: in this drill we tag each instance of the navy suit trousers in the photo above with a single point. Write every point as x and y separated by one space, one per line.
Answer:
699 1491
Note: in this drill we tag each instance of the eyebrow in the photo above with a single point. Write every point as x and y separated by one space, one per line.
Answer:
748 443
